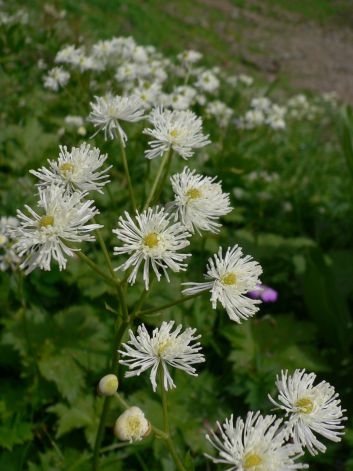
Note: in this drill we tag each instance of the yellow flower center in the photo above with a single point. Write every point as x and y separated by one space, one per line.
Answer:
305 405
46 221
193 193
174 133
229 279
163 346
134 425
251 460
66 167
151 240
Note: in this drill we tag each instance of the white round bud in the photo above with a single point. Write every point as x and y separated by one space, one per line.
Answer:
108 385
132 425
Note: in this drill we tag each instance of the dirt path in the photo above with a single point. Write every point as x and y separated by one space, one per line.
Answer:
279 43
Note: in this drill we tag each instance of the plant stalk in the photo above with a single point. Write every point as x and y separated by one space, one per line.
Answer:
127 173
164 162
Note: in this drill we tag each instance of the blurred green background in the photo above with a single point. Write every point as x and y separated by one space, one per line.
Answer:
294 217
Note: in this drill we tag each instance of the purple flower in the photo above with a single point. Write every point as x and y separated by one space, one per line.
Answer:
266 293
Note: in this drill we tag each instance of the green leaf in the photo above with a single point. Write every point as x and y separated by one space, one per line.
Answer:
14 432
63 370
80 414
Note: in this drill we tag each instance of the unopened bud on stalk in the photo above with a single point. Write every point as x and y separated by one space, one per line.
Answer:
108 385
132 425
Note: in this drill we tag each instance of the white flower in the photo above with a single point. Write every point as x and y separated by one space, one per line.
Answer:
177 130
148 93
132 425
182 97
261 103
45 237
231 277
275 117
69 55
220 111
258 444
152 240
107 112
85 63
208 82
245 79
56 78
75 121
9 260
310 409
199 200
77 169
8 257
165 348
189 57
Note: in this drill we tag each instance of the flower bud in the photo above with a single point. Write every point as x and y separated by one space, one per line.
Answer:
108 385
132 425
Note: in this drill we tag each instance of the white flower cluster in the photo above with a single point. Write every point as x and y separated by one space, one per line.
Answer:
263 112
267 443
63 209
153 240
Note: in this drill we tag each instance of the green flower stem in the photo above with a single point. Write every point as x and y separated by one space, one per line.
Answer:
105 252
107 400
147 312
127 173
164 177
96 268
166 428
163 164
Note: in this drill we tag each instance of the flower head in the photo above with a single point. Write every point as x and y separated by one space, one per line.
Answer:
107 112
164 348
132 425
153 240
75 169
230 278
177 130
199 201
311 409
56 78
46 236
258 444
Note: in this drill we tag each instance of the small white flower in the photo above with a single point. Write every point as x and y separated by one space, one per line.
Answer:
132 425
177 130
220 111
258 444
245 79
77 169
152 240
56 78
42 238
189 57
208 82
310 409
199 200
182 97
165 348
69 55
75 121
231 277
107 112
